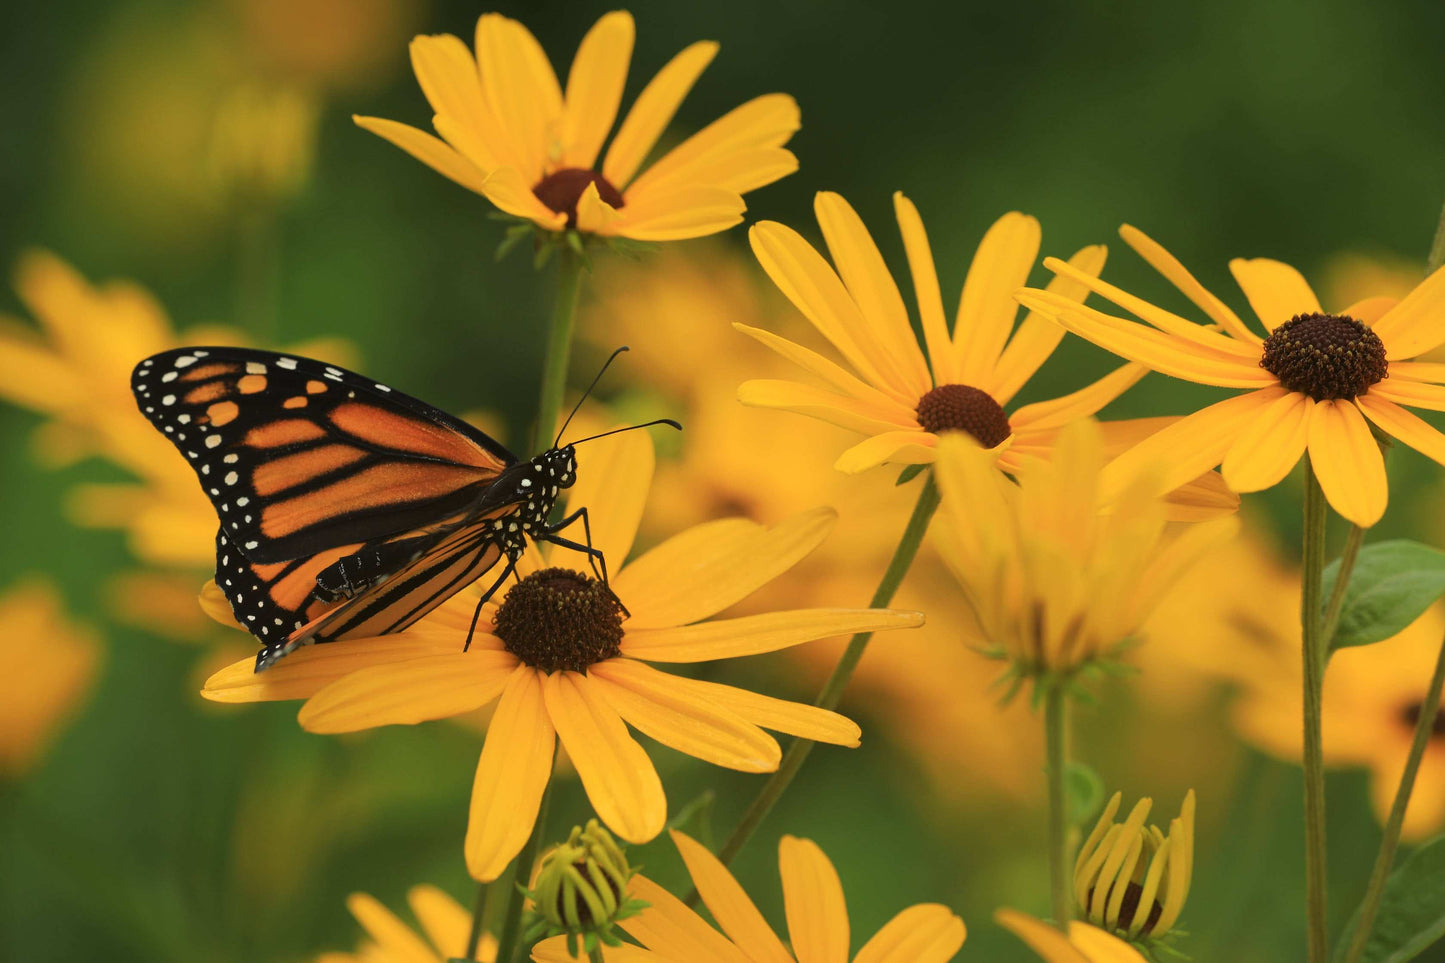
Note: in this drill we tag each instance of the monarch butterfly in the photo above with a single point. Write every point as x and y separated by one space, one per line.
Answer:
347 509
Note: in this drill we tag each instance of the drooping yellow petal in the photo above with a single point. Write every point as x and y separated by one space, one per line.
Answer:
1275 290
446 923
926 933
677 213
1270 445
754 634
647 701
447 73
986 311
506 188
519 83
704 569
613 478
620 780
926 291
514 769
431 151
311 668
729 904
1403 426
898 447
1178 275
779 715
594 88
405 693
1084 403
841 410
814 904
761 123
653 111
1347 462
1038 336
391 935
594 215
1042 938
674 932
1413 326
832 373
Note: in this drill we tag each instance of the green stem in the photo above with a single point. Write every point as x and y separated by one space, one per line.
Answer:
258 271
1351 552
1056 725
559 347
594 955
1384 860
479 912
507 942
1437 248
1313 657
832 691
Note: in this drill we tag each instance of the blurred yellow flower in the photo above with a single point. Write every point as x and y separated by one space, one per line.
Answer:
556 650
1054 582
1372 700
1083 944
509 133
263 142
47 663
1351 276
322 43
1314 384
389 940
1132 879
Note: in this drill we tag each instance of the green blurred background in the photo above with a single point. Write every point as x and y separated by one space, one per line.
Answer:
1296 129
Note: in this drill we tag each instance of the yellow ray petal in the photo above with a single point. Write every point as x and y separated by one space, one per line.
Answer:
405 693
653 111
986 311
833 374
1416 394
311 668
1270 445
511 775
447 73
647 701
520 85
841 410
779 715
729 904
1413 326
926 291
1038 336
761 123
554 950
392 936
1403 426
914 447
754 634
1275 290
446 923
1347 462
506 188
594 215
620 781
1178 275
1042 938
594 88
705 569
677 213
861 268
431 151
34 377
1101 947
1084 403
926 933
613 477
1370 310
740 172
674 932
1417 371
813 900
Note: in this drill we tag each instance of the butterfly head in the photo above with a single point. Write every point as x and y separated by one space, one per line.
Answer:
560 465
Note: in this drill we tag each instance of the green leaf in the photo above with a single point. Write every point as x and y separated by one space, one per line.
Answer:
909 473
1412 909
1083 792
1394 582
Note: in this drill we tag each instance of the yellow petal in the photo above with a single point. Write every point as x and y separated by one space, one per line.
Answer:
510 191
405 693
446 923
926 933
1084 403
514 769
1043 939
447 73
761 123
869 418
729 904
34 377
926 291
1416 371
1403 426
620 780
1275 290
594 215
1347 462
813 899
1101 947
1370 310
986 311
899 447
740 172
653 111
779 715
833 374
705 569
392 936
754 634
613 477
311 668
668 928
1416 394
1270 445
677 213
1178 275
1413 326
1038 336
431 151
215 604
520 85
647 701
554 950
594 88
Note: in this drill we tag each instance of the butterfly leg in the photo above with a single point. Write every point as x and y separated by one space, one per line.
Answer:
594 555
486 596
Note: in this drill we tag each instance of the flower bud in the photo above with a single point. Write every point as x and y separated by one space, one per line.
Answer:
1130 878
581 890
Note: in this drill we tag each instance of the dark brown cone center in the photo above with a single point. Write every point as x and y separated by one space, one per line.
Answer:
964 408
1129 906
562 189
557 619
1410 715
1325 356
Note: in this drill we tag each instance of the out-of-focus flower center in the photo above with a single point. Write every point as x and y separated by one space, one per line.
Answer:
1130 906
1325 356
964 408
1410 715
562 189
558 619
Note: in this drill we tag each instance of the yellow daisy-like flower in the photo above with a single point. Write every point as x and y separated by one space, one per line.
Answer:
510 133
389 940
1054 582
1315 383
813 901
1083 944
566 664
1132 879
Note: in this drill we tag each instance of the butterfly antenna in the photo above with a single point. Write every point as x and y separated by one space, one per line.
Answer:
603 370
646 424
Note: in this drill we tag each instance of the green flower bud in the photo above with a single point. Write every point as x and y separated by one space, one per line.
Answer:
581 890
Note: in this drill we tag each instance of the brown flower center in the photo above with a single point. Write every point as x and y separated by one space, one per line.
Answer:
1325 356
559 619
964 408
1129 906
562 189
1410 715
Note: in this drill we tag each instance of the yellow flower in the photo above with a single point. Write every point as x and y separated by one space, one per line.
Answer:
1314 384
389 940
566 665
510 133
263 143
47 663
1132 879
1054 582
1083 944
1372 701
814 906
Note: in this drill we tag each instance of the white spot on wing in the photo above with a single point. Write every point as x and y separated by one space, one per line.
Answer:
288 363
